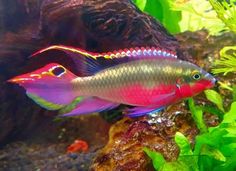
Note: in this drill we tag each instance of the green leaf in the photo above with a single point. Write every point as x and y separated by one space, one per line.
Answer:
226 11
141 4
183 144
162 11
212 138
212 152
157 158
213 110
171 17
175 166
207 162
210 158
214 97
198 14
228 148
229 165
197 115
227 61
230 117
234 93
186 154
155 9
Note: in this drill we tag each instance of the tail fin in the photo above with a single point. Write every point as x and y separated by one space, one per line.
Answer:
50 86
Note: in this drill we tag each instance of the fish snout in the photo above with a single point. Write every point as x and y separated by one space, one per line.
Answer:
211 78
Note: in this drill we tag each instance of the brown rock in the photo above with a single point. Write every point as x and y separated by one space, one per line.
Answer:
128 137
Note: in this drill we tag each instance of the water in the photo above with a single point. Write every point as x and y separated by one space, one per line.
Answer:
32 138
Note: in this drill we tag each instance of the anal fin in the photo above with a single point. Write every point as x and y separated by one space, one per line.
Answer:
90 105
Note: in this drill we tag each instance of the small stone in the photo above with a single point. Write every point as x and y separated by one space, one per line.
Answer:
73 155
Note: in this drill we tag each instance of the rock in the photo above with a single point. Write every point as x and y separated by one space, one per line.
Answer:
128 137
47 149
22 156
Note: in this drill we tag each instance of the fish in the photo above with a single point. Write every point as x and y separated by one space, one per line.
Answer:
148 79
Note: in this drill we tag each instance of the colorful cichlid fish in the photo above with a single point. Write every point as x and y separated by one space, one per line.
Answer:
146 78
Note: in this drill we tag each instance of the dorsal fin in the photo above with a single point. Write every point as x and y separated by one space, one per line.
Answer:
132 52
68 49
88 63
140 52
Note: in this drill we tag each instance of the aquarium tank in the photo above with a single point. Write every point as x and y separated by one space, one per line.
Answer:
101 85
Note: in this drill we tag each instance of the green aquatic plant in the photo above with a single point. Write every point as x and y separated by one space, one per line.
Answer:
179 16
226 11
163 12
227 61
197 115
215 97
214 148
197 15
192 15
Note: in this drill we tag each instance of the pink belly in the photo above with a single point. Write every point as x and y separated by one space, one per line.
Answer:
139 95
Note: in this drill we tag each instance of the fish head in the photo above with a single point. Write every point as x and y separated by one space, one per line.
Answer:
194 80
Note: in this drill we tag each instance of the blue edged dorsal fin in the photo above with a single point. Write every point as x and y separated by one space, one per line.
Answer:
88 63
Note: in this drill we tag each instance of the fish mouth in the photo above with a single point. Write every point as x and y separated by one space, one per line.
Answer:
213 81
211 78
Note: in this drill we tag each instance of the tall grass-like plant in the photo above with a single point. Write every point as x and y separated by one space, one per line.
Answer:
227 61
226 11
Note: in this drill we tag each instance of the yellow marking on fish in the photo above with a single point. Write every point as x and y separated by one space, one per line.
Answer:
47 73
36 75
107 56
69 49
110 55
22 79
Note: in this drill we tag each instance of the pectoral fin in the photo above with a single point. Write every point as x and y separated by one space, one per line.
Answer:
160 102
141 111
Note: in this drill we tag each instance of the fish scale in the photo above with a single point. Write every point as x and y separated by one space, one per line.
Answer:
147 74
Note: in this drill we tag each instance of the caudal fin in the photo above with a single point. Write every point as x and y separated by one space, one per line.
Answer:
50 86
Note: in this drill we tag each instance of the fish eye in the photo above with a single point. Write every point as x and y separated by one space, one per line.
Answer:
58 71
196 76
